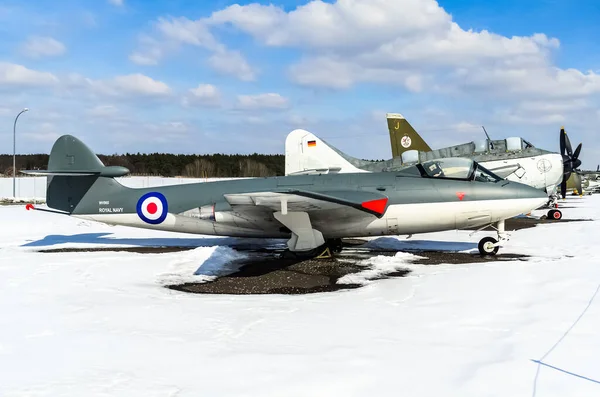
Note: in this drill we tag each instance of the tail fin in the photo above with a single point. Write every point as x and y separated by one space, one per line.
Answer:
403 136
305 154
72 170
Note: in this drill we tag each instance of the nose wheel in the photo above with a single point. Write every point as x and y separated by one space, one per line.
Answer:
488 246
555 214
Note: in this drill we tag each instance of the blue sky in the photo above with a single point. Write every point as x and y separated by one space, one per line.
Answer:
237 77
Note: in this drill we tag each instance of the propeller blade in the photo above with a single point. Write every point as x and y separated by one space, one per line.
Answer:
563 189
576 164
568 146
577 151
562 141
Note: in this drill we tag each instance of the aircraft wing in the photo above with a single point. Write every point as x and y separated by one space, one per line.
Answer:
295 200
588 172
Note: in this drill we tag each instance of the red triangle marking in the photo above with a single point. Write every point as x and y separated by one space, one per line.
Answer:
29 207
376 205
460 195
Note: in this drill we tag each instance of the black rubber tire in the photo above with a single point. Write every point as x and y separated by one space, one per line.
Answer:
335 245
555 215
483 243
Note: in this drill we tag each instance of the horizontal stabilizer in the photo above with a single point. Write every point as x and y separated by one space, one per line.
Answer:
111 172
315 171
61 173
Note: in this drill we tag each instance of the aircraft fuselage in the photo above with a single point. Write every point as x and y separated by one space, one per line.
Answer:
415 205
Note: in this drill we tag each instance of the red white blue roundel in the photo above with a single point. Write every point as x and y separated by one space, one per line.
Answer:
152 208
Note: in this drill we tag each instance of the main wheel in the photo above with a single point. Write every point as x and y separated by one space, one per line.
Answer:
487 247
555 214
335 245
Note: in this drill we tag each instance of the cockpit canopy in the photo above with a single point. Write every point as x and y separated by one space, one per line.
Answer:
512 144
460 168
515 144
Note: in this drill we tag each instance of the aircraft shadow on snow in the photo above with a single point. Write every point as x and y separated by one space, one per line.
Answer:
379 244
105 239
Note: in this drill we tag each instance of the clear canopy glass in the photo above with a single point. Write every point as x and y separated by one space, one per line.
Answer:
454 167
458 168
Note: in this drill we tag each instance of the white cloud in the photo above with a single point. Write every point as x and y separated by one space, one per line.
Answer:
39 47
410 43
44 132
232 63
117 3
127 85
262 101
140 84
465 127
150 58
102 111
203 94
186 31
18 75
172 32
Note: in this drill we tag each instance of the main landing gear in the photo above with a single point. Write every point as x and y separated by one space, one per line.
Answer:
306 242
489 245
554 212
325 251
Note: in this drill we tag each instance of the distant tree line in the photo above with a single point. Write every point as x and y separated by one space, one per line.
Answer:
169 165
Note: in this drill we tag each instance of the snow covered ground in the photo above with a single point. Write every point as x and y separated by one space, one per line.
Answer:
102 323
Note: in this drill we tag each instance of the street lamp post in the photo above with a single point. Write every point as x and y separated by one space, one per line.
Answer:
15 153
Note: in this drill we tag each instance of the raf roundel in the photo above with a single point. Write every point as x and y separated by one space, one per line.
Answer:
152 208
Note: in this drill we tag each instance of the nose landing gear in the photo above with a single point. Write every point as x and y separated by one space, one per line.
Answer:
489 245
555 214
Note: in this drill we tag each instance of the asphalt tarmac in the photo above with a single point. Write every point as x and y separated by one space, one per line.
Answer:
268 271
272 275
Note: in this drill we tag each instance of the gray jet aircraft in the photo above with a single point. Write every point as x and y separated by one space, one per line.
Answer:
313 211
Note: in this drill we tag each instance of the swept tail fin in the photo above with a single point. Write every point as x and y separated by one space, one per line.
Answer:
305 153
73 169
403 136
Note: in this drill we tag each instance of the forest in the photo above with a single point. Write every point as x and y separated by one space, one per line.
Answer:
170 165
